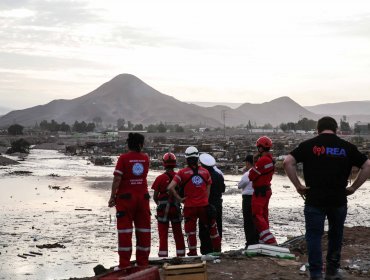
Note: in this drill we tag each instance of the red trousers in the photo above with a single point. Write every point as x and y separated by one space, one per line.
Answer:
133 208
164 216
191 215
260 213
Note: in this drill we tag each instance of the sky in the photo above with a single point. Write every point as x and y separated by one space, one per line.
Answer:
212 51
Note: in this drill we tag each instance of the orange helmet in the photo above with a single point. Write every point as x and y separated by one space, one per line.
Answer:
169 160
264 142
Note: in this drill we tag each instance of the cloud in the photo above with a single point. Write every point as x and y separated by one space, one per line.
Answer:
128 36
37 62
12 4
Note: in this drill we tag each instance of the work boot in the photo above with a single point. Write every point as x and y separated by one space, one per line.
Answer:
333 276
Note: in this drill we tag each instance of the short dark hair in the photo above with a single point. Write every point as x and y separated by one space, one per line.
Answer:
327 123
135 141
249 158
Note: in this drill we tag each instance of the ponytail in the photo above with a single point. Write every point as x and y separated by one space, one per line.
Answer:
135 141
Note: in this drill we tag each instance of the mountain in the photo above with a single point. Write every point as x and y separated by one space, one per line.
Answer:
342 108
128 97
276 111
4 110
125 96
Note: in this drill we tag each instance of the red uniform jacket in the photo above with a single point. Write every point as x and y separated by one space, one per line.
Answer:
262 171
195 189
133 168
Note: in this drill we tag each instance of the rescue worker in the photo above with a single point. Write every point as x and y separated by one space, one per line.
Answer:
215 202
251 234
195 183
327 164
168 209
130 196
261 176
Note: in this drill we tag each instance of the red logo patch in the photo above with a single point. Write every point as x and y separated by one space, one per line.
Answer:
318 150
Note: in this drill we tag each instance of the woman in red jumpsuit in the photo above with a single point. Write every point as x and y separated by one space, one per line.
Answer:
168 209
131 198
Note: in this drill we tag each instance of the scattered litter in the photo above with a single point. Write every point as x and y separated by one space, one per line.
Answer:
269 250
20 172
303 268
29 255
56 187
35 253
208 257
54 175
83 209
50 246
21 256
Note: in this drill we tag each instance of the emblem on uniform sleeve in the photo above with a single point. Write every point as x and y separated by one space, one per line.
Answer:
197 180
138 169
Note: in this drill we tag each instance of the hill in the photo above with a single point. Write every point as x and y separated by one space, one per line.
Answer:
342 108
128 97
125 96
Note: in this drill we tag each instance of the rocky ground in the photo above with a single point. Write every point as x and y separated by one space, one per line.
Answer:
233 265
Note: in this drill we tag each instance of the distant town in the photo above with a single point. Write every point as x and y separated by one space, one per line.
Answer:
228 145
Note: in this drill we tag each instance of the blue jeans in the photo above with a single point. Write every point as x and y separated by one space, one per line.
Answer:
315 220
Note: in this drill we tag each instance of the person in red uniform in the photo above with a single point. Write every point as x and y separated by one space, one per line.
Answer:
130 196
261 176
195 181
168 209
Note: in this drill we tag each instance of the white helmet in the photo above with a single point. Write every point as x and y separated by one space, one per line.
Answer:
207 159
191 152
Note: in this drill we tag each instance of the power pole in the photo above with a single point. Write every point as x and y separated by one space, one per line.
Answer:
223 114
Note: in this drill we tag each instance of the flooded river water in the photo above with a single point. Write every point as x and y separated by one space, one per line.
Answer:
33 213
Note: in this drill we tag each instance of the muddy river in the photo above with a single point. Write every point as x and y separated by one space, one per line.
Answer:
64 200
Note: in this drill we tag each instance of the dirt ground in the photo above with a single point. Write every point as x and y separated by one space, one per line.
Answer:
355 261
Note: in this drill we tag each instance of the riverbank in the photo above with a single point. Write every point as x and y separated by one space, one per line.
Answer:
355 262
51 198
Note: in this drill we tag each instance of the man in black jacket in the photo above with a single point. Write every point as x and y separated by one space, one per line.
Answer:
327 164
215 202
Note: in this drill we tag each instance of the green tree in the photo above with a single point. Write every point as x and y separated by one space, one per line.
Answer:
130 125
90 127
284 127
162 128
138 127
151 128
15 129
19 146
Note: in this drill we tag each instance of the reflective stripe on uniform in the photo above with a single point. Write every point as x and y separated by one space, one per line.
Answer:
127 230
268 237
118 171
142 248
124 249
255 170
163 253
190 233
142 229
268 165
192 247
214 236
180 252
262 233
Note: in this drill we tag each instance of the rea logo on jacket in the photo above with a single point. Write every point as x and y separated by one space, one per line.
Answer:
330 151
